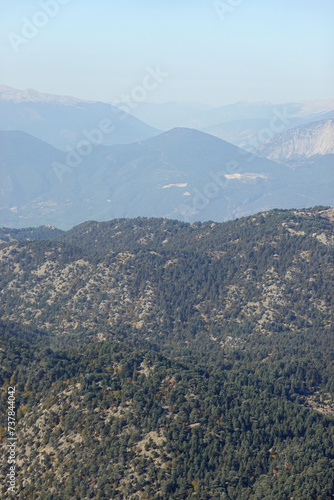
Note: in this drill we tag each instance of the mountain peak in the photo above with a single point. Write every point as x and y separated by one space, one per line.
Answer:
185 135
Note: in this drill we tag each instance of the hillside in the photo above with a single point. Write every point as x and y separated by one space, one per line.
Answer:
123 274
114 422
157 359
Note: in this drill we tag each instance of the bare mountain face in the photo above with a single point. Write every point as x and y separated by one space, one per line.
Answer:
64 122
301 143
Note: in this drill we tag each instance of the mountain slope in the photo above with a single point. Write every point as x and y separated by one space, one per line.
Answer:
118 422
123 274
25 170
300 143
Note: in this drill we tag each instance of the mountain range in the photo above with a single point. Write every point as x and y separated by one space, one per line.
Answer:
182 174
241 123
64 121
89 160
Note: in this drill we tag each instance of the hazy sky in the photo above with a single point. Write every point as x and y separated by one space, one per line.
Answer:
215 52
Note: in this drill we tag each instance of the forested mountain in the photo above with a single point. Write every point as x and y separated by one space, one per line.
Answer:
158 359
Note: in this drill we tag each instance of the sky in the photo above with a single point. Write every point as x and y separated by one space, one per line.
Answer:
214 52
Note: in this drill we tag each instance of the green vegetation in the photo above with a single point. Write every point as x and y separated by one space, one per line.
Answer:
29 234
160 360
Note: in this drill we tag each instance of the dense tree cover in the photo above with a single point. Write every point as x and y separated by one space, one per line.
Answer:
29 233
113 421
172 361
124 234
264 274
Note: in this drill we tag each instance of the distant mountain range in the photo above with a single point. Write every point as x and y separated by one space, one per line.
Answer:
181 174
64 160
242 123
195 115
64 122
301 142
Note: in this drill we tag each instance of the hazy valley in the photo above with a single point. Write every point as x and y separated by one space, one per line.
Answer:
125 168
